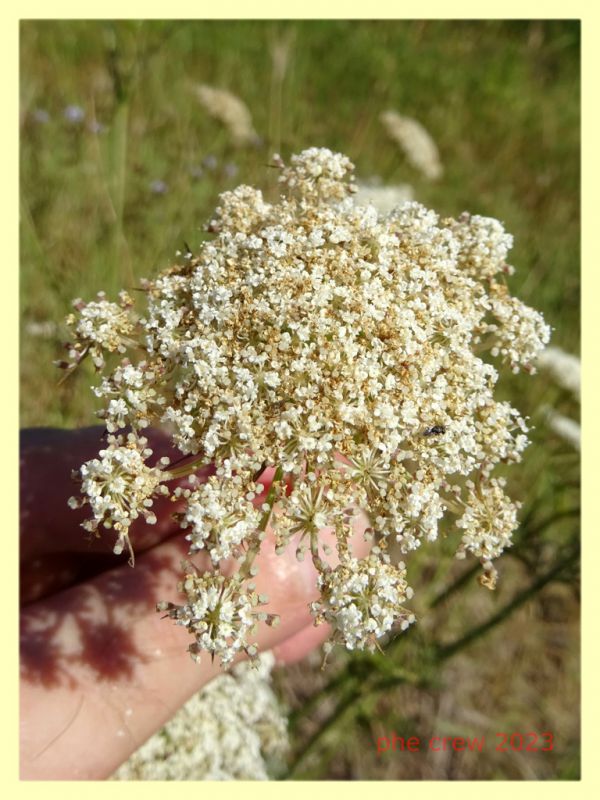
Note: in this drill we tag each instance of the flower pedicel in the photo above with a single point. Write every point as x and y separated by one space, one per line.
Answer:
339 347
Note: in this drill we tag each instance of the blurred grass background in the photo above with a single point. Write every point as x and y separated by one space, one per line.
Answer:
120 166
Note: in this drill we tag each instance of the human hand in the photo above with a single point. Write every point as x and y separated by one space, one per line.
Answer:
100 670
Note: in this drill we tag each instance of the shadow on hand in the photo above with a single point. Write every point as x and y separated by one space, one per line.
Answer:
91 625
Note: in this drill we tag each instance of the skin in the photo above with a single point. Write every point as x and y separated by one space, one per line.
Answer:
101 671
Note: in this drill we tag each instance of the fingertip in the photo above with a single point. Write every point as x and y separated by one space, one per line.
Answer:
299 645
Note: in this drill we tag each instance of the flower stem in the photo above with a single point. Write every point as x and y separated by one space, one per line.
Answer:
186 469
254 548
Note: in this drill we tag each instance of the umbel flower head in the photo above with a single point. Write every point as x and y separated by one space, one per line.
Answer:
362 599
353 353
220 612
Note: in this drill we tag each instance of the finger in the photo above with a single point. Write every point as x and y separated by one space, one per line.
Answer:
47 459
98 658
48 525
55 552
298 646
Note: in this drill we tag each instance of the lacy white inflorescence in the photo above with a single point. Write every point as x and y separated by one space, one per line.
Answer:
233 729
342 348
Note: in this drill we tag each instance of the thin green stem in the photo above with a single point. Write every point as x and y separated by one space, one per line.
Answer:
447 651
336 715
455 586
270 499
118 171
186 469
516 552
253 550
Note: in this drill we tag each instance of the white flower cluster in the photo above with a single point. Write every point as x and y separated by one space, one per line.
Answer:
415 141
344 349
384 198
488 520
120 487
231 730
231 111
566 428
362 599
221 613
220 521
564 367
45 330
100 327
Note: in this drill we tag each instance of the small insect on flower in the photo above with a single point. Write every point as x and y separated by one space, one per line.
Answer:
435 430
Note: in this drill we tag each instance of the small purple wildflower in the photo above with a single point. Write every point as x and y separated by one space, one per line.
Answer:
210 162
74 114
158 187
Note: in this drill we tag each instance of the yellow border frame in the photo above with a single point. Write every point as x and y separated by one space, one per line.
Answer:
307 9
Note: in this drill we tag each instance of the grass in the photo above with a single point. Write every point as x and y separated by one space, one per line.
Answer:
501 99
